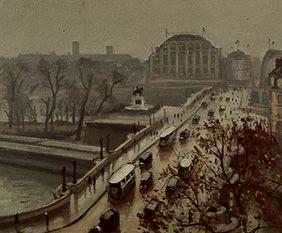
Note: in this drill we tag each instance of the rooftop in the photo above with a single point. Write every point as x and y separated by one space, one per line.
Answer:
181 37
121 173
167 131
237 54
185 162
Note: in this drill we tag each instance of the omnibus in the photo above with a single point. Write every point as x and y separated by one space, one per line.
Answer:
186 166
121 181
222 108
167 136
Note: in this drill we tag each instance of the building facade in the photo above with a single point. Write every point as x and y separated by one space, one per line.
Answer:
239 66
185 56
275 97
268 62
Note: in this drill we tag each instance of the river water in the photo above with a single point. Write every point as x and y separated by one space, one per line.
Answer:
23 189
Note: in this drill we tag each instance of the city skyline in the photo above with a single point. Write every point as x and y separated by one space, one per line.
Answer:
134 27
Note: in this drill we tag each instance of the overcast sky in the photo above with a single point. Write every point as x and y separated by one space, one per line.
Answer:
134 27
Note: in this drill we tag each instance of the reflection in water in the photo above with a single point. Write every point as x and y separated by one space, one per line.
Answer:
23 189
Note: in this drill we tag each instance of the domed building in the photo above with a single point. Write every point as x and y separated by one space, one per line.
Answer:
185 56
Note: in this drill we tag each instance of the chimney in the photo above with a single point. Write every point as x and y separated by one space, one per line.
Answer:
110 50
75 48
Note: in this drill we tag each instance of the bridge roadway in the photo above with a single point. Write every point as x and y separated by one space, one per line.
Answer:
134 202
82 202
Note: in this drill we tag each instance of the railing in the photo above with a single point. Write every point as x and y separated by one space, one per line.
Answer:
50 207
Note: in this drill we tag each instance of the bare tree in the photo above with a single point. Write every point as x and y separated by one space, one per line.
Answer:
73 95
14 79
90 72
52 80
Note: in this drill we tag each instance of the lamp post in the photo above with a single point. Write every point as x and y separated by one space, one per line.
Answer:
101 147
134 128
108 142
64 186
74 165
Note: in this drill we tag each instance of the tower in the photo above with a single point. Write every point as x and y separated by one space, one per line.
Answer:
75 48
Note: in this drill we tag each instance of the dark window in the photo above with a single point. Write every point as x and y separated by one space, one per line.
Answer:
181 58
205 58
165 62
190 58
197 58
172 58
212 58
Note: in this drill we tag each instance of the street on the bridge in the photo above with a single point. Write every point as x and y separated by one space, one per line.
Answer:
135 201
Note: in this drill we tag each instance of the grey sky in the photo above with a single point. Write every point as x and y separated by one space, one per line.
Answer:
28 26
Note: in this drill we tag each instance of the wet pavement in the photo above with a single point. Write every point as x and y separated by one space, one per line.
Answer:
94 201
135 201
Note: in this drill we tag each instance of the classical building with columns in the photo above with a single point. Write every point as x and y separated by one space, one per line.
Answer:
185 56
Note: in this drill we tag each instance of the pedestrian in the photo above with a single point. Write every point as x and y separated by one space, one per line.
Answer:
17 223
94 182
47 221
190 216
89 180
102 172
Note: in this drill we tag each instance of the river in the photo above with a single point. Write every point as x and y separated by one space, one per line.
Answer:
22 189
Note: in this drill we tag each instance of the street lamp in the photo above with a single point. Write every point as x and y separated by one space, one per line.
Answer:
134 128
108 143
64 186
101 147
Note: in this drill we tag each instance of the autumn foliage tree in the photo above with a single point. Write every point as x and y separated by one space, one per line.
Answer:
237 173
